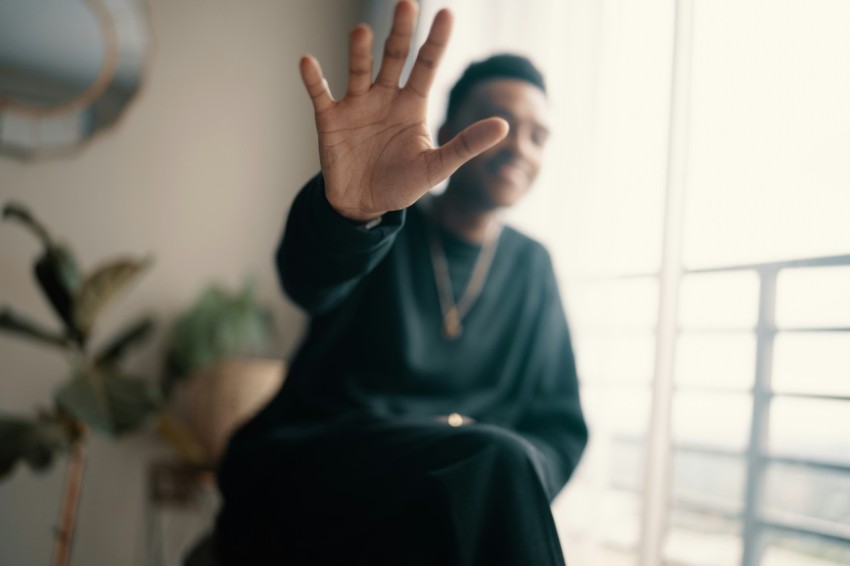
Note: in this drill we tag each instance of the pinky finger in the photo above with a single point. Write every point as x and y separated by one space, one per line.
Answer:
314 81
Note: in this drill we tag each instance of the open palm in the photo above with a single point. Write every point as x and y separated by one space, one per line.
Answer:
375 149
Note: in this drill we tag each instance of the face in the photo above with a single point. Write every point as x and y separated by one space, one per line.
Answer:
504 173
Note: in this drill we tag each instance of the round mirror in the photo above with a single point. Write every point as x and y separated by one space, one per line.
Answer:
68 69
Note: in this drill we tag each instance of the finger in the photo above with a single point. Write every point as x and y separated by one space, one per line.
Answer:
422 75
475 139
317 86
360 61
397 45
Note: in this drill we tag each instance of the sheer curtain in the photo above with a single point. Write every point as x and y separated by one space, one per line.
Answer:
695 198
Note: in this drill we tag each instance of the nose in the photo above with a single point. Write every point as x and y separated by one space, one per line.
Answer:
519 143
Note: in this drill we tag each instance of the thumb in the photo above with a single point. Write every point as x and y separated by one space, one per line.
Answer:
475 139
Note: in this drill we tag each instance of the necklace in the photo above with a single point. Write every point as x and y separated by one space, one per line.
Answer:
453 312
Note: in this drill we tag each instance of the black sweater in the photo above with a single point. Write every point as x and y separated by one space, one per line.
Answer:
375 342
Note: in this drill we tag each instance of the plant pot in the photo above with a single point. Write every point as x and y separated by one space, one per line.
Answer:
219 400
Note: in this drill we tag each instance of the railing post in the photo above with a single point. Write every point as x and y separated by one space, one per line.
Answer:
756 463
657 477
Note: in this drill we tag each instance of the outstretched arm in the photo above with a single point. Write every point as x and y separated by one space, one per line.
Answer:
377 159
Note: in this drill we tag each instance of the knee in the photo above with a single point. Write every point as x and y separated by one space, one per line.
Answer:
508 446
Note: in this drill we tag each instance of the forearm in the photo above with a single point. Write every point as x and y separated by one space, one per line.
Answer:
562 443
322 255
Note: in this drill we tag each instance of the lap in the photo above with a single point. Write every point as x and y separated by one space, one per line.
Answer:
364 449
358 478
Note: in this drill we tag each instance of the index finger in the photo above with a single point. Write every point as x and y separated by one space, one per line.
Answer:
422 74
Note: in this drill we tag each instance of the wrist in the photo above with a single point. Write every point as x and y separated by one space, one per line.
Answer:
368 224
356 218
353 215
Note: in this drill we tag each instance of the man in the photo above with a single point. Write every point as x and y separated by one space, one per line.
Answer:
432 413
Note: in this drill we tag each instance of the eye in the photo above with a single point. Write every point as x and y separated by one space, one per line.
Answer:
539 137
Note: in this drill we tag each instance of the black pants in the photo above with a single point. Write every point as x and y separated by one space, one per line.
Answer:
368 491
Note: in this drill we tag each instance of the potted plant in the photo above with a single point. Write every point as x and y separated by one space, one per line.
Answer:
217 363
98 394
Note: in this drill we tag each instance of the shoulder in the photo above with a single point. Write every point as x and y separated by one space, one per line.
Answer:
527 266
528 252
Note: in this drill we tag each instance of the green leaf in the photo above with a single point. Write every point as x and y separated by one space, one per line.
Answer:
131 336
14 439
84 397
55 269
101 287
59 277
34 441
107 400
18 324
19 212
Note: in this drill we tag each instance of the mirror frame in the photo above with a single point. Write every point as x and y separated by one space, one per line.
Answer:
36 118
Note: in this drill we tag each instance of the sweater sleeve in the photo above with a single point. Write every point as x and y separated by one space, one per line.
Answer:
322 255
553 420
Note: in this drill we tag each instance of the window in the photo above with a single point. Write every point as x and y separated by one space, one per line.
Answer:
757 442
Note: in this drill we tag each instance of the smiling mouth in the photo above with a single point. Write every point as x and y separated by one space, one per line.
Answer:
511 172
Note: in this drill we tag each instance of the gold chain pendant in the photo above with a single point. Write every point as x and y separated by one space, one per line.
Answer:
451 323
452 311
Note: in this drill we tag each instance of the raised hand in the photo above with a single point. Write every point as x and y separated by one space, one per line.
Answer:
375 149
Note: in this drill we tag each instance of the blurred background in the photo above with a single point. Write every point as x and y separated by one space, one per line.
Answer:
695 198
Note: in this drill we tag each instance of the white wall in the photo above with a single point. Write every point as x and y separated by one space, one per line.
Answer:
200 174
